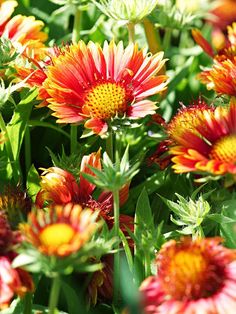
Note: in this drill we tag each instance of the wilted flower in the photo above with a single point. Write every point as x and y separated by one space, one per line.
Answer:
94 84
6 234
127 11
62 230
13 281
15 203
204 139
193 277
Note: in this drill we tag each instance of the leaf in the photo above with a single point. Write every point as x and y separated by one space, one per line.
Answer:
143 210
72 298
16 127
221 219
228 229
32 183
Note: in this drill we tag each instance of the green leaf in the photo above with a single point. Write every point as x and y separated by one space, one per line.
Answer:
32 183
16 127
72 298
221 219
228 229
143 210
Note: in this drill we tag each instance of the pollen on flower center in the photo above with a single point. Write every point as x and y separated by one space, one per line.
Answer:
190 275
56 234
225 149
105 100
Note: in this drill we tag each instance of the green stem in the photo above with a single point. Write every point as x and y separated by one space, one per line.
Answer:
166 39
27 149
54 294
116 206
147 265
198 233
109 145
28 303
131 30
152 35
15 170
77 25
73 139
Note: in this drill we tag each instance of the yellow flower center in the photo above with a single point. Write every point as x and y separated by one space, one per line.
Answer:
56 234
225 149
105 100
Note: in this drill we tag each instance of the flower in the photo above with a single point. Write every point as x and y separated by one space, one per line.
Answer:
60 231
193 277
12 281
221 78
23 31
94 84
132 11
15 203
6 10
204 139
59 187
6 234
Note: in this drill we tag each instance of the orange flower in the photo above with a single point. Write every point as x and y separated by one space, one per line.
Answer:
94 84
62 230
193 277
204 139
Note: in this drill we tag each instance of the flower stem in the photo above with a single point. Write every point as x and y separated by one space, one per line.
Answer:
15 170
116 206
54 294
27 149
73 139
28 303
152 35
109 145
166 39
77 25
131 30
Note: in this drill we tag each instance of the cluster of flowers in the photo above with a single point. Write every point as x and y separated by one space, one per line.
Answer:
90 84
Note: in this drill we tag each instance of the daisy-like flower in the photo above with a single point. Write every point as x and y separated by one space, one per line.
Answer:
193 277
131 11
13 281
204 139
94 84
62 230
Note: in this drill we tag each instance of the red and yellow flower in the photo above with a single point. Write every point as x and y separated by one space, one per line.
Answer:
62 230
23 31
193 277
204 139
13 281
94 84
58 186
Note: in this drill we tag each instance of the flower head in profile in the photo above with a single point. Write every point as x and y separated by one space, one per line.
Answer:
131 11
60 187
204 139
193 277
62 230
25 32
93 84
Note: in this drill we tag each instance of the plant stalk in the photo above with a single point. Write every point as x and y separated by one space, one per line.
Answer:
27 149
54 294
77 25
28 303
152 35
116 206
109 145
15 170
131 31
73 139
